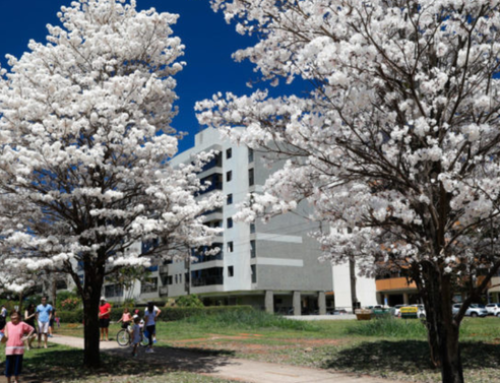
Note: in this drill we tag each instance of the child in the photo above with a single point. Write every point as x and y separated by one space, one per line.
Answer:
136 335
16 332
126 318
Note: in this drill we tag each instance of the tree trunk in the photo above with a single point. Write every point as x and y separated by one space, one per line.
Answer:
443 330
91 295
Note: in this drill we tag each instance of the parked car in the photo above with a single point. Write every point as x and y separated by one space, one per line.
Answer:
340 312
493 309
397 310
421 311
474 310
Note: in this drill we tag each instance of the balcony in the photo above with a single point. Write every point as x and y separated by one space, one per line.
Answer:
208 281
207 277
215 162
164 269
163 291
211 183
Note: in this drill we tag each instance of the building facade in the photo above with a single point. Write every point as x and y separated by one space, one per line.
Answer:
271 266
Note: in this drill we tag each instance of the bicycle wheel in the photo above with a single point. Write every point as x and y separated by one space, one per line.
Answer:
123 337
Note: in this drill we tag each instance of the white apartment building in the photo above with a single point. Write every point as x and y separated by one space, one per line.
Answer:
272 266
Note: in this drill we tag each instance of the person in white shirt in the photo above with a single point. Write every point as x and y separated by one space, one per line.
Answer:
150 316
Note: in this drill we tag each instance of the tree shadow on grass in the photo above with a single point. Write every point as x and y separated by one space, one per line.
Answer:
409 356
63 365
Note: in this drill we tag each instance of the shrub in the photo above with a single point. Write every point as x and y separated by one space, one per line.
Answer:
63 296
167 314
75 316
70 304
189 301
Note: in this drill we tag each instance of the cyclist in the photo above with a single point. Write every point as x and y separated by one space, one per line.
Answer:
126 318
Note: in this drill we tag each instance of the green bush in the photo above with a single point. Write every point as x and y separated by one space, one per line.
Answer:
189 301
71 300
75 316
389 327
167 314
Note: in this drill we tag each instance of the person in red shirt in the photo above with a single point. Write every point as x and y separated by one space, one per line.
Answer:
16 332
104 315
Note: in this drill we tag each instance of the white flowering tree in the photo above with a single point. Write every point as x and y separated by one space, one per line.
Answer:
397 144
85 141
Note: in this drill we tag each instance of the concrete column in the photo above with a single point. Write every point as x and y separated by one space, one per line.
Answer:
406 300
269 301
297 305
322 303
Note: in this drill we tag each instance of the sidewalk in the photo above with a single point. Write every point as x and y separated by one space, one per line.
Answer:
222 366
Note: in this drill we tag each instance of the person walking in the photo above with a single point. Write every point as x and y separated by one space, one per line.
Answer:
29 318
51 323
150 316
126 318
104 316
16 332
44 313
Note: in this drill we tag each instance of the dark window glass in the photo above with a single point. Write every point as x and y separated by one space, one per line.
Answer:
230 271
229 176
229 153
229 199
229 223
251 180
253 250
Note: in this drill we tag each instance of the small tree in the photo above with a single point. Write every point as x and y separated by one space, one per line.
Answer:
396 146
85 141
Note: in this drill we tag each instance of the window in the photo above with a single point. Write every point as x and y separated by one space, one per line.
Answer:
229 153
229 199
180 278
252 228
250 155
250 177
230 271
229 223
253 270
176 279
229 176
253 250
230 247
169 280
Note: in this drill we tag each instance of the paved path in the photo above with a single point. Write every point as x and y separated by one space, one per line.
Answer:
220 365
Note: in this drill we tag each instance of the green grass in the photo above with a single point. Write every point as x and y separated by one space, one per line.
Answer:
256 320
388 327
394 349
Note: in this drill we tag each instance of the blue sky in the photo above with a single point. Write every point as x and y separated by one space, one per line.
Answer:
208 39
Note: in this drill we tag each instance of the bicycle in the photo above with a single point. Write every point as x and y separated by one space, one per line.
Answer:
124 339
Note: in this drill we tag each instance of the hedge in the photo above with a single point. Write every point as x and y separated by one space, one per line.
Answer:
167 313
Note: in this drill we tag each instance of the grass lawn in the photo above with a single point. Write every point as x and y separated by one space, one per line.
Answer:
396 349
